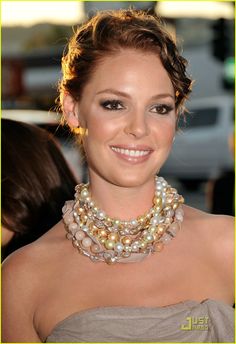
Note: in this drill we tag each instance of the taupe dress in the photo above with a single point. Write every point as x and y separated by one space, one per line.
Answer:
187 321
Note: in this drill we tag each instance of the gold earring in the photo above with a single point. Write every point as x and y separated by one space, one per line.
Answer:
80 131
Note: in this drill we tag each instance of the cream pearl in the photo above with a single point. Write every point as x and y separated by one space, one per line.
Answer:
84 193
80 235
95 248
86 242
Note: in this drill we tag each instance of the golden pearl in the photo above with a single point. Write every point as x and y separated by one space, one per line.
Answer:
169 199
175 206
109 244
161 228
102 233
84 218
152 229
113 236
126 240
143 245
157 208
158 247
141 219
158 201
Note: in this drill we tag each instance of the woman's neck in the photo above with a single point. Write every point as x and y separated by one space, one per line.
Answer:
124 203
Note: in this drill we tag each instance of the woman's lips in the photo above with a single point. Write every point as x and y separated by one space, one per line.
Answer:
133 154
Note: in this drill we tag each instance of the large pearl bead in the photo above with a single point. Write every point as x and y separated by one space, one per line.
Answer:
134 247
166 239
174 228
149 237
84 193
126 240
143 245
95 248
109 244
113 236
68 219
86 242
158 201
72 227
102 233
101 215
118 247
80 235
161 229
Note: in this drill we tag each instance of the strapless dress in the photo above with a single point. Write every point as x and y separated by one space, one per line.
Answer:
185 322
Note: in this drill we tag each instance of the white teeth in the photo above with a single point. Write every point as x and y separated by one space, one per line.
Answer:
132 152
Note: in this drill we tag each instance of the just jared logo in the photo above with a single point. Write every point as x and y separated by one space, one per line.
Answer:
195 323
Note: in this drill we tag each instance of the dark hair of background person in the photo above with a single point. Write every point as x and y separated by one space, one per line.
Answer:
112 31
36 182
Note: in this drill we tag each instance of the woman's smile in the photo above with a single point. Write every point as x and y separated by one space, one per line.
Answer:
134 155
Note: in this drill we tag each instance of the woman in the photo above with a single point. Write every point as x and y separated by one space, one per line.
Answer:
123 89
32 198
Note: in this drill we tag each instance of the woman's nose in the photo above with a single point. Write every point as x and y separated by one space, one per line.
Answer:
137 125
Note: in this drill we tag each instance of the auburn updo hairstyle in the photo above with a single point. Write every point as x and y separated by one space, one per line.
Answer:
109 32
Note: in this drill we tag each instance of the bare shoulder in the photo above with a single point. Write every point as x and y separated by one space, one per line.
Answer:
24 274
31 260
217 228
213 235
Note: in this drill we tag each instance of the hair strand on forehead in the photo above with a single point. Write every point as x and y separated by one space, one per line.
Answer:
109 32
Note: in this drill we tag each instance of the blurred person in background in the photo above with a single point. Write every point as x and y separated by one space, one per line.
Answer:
221 191
110 271
36 182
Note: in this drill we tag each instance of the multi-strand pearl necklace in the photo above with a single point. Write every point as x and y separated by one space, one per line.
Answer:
102 238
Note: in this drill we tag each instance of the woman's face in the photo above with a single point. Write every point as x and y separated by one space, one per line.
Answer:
128 107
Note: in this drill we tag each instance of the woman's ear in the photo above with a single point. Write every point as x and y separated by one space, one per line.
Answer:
70 110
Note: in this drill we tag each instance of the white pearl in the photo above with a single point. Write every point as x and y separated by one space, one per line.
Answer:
159 187
85 228
101 215
155 220
79 235
134 223
86 242
134 247
118 247
149 237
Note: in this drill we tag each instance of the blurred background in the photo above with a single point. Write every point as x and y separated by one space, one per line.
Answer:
35 33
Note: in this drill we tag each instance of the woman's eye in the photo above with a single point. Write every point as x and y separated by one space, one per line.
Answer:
162 109
112 105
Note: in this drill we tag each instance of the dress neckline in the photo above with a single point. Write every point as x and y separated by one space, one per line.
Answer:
187 304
